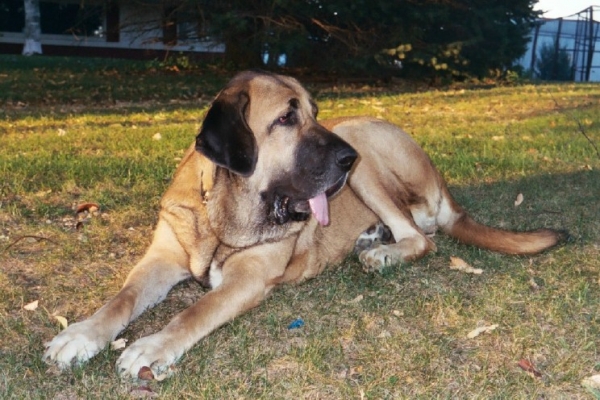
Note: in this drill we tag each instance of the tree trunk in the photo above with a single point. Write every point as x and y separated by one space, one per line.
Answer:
32 28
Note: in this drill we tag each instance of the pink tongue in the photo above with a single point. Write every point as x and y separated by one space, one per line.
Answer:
319 208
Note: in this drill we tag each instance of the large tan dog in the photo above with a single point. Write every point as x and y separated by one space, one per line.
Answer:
261 199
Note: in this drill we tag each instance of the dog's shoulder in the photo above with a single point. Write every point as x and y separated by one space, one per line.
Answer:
195 174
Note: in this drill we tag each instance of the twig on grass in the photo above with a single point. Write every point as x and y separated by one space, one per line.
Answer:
579 125
17 240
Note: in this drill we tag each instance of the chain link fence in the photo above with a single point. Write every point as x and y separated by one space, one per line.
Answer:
565 48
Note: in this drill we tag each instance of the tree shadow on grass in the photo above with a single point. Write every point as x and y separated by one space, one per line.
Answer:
560 201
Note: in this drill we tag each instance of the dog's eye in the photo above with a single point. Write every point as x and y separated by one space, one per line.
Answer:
288 119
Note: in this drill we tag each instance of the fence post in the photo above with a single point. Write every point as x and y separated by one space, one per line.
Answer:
556 50
534 47
588 67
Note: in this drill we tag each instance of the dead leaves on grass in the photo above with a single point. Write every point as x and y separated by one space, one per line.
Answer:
118 344
519 199
145 374
355 300
143 392
62 321
482 329
591 382
84 213
458 264
528 367
87 207
353 373
31 306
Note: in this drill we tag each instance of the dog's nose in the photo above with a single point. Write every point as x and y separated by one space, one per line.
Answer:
345 157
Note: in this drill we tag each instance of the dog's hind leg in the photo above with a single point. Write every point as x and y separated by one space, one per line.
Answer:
163 266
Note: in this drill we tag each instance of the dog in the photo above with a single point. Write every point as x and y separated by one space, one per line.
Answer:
267 195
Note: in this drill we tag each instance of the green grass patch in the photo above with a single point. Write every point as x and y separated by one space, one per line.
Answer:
63 81
112 132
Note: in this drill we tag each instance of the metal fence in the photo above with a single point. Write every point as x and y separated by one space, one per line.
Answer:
577 35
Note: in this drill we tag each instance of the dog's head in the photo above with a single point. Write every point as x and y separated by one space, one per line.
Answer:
263 127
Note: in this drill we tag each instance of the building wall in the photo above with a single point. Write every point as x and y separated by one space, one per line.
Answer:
139 38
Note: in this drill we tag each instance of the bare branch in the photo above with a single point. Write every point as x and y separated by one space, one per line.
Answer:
579 125
38 238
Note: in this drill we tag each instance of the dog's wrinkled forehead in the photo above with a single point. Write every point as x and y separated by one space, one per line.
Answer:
264 82
271 92
246 113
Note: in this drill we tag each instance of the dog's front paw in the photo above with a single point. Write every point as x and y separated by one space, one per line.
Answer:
75 345
151 351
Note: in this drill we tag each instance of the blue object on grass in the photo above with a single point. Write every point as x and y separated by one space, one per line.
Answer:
297 323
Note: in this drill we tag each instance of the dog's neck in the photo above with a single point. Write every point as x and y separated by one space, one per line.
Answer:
237 213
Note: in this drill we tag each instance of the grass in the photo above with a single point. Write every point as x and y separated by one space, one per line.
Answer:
77 141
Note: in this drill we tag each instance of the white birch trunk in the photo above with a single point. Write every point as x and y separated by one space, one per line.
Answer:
32 28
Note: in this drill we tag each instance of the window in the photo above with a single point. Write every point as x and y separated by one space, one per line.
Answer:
69 18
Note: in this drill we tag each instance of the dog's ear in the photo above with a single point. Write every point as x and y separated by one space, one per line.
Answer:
225 138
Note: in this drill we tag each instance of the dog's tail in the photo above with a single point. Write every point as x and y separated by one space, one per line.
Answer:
458 224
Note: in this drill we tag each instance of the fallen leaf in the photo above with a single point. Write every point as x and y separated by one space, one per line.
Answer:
157 136
142 392
118 344
459 264
62 321
528 367
355 372
497 138
31 306
519 199
355 300
533 284
43 193
482 329
89 207
592 382
145 374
